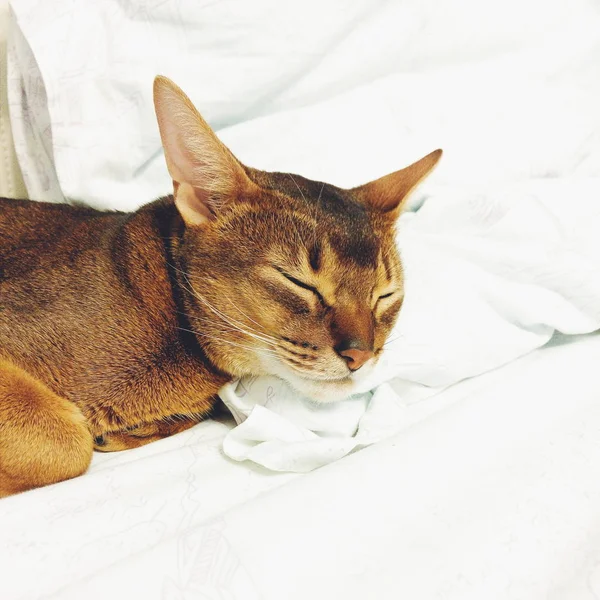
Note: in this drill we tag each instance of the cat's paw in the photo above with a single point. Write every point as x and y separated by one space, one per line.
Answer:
134 437
140 435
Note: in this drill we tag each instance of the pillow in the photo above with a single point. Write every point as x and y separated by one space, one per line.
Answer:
388 81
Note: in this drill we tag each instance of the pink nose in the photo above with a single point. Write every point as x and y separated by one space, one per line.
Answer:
356 358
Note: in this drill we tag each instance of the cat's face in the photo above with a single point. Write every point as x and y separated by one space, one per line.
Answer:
283 275
302 282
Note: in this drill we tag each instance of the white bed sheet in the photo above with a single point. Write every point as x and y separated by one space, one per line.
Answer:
490 491
509 89
336 91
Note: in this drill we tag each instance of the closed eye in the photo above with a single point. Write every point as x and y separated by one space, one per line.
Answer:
383 296
386 306
302 285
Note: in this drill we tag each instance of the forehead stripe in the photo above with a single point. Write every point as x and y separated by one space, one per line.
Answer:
314 256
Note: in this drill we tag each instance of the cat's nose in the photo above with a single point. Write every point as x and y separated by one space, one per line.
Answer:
354 353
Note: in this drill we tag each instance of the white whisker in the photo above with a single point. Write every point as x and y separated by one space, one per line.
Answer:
222 340
228 319
251 319
313 207
237 325
315 211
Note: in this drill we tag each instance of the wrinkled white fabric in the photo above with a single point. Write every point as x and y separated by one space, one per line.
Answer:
503 251
486 488
489 277
337 91
489 491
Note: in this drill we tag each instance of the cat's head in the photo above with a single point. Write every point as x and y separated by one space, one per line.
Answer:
283 275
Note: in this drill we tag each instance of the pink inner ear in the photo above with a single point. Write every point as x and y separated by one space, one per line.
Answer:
184 166
205 173
192 206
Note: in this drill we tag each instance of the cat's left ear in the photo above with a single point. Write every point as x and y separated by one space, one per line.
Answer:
206 175
389 193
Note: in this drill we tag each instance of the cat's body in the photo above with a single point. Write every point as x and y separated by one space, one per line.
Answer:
117 329
89 292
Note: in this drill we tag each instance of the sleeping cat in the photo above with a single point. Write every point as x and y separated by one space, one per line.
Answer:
117 329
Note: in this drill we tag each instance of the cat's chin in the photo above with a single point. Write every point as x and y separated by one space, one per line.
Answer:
323 391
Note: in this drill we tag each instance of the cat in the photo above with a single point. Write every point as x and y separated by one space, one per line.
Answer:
117 329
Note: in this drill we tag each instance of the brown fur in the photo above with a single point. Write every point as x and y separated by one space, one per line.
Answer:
122 327
32 416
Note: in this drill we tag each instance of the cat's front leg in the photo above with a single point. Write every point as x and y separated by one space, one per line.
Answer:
140 435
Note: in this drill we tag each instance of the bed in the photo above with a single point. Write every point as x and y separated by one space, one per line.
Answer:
490 492
487 485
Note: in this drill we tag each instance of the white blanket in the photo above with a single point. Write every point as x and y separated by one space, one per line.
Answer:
490 488
492 269
491 492
488 278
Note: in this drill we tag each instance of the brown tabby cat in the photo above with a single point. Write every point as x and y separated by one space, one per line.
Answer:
117 329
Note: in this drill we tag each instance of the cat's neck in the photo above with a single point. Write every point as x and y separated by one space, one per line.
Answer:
146 255
90 306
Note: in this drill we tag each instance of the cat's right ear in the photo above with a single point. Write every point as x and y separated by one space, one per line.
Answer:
389 193
205 173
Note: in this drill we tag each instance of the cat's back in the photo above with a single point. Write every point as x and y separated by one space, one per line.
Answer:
35 233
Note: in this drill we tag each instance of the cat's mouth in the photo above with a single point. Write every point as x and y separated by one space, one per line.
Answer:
308 362
317 383
317 372
316 376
